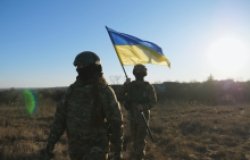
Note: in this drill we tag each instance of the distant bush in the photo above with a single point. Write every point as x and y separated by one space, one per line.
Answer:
14 97
209 92
10 96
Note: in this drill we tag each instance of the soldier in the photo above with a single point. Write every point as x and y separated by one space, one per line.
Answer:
89 106
139 96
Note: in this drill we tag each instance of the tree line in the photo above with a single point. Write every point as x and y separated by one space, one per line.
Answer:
211 92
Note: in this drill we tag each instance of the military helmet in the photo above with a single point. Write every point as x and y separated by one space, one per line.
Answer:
140 69
86 58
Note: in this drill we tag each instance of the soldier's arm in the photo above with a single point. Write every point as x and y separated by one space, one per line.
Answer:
58 126
124 93
114 118
152 97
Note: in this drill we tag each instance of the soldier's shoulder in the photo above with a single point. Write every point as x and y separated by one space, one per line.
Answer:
140 83
105 88
76 86
70 88
132 83
147 83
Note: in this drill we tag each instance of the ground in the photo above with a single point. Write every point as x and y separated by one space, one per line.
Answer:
182 131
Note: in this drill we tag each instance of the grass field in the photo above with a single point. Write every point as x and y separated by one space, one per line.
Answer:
182 131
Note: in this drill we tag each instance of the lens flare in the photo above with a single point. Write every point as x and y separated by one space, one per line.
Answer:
30 101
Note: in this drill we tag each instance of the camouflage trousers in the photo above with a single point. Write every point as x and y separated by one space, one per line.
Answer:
136 134
88 149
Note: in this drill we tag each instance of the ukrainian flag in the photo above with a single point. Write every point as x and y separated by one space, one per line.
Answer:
132 50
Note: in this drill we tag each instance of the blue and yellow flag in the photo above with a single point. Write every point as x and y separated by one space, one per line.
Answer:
132 50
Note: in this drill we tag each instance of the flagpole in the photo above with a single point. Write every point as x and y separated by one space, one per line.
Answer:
117 53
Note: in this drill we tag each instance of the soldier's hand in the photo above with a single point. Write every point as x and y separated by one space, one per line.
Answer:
45 154
128 80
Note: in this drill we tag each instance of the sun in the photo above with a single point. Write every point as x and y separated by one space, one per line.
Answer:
227 55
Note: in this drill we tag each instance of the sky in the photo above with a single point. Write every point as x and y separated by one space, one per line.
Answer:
40 39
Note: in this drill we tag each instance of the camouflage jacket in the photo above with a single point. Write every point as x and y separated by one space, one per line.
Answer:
139 92
85 113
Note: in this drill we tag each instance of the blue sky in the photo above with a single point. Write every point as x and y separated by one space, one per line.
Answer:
39 39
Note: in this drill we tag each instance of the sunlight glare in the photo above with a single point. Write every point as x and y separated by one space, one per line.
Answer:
227 55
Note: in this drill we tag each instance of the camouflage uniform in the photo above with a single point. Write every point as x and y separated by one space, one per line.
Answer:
88 112
138 93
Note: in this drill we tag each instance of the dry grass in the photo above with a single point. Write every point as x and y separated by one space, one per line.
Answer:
200 132
181 131
22 136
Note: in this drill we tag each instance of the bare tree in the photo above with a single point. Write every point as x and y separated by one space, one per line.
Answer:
115 79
